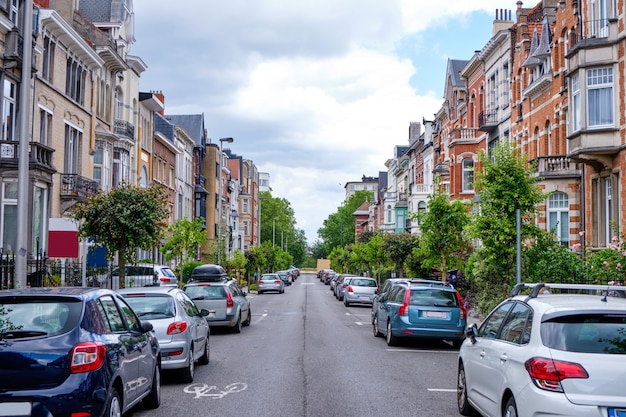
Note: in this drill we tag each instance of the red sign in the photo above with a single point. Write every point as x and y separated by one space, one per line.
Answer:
62 244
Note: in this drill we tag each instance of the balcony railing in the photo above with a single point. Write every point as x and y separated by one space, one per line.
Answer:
463 133
76 186
40 156
556 166
122 127
488 120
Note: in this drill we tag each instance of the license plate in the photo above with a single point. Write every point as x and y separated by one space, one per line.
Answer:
435 314
15 409
617 412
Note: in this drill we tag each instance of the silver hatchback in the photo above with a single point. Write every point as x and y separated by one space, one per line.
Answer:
270 282
360 290
180 327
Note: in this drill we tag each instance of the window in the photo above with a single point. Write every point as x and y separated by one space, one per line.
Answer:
40 193
401 219
9 98
14 12
45 127
121 166
468 174
558 216
101 165
575 103
75 80
73 138
604 208
47 64
515 329
600 97
9 216
490 327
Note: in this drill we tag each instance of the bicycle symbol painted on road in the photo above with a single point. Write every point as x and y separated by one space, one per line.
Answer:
204 390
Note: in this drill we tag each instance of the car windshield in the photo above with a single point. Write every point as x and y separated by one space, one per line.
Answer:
152 306
206 292
433 297
38 317
269 277
586 333
168 272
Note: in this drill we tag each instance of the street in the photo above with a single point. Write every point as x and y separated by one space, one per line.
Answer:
306 354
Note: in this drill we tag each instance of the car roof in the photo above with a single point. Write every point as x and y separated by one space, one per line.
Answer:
138 290
76 292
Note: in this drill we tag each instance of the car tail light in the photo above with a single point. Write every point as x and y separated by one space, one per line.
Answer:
350 289
177 327
229 300
404 308
87 356
277 281
261 281
548 373
461 305
165 280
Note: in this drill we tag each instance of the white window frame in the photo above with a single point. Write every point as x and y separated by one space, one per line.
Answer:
600 79
557 208
9 109
468 174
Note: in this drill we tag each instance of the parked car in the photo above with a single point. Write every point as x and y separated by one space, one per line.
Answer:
333 282
322 274
360 290
72 351
141 275
285 276
560 353
342 285
328 276
295 271
181 328
390 282
270 282
421 310
212 289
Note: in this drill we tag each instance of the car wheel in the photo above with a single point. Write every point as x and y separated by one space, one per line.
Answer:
260 292
153 400
114 405
189 370
391 339
249 318
511 409
456 344
461 394
377 333
346 303
237 327
206 354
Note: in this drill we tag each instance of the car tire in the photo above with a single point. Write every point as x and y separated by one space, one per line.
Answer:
114 405
259 292
456 344
237 326
391 339
206 354
465 408
153 400
511 408
346 303
186 374
248 319
377 333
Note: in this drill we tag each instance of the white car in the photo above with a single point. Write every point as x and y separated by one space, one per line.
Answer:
141 275
558 351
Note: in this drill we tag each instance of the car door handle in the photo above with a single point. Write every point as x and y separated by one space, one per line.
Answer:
504 358
482 354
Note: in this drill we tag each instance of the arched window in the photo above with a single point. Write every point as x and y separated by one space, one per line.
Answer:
558 216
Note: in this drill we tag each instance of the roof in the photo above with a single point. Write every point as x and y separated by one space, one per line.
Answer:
164 126
102 10
193 124
455 66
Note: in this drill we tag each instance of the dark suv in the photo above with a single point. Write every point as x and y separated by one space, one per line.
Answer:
74 351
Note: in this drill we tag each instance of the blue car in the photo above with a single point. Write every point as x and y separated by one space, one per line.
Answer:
422 310
74 351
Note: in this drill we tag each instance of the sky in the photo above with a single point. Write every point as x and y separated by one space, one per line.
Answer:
317 93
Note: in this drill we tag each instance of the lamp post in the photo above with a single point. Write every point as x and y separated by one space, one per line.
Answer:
273 231
219 195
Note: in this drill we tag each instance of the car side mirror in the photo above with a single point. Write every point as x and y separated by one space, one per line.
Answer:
146 326
204 312
244 293
471 332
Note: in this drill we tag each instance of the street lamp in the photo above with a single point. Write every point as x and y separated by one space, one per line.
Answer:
219 194
273 231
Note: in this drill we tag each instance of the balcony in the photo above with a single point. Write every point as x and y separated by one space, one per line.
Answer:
556 166
402 200
76 187
464 133
488 120
40 156
126 129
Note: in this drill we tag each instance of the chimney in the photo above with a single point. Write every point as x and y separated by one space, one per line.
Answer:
160 96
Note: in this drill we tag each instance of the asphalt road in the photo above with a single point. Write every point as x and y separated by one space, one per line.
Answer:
307 355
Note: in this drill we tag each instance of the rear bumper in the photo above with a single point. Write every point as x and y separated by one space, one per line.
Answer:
174 355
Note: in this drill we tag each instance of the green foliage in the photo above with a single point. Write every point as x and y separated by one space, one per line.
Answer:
123 220
278 227
607 264
185 239
443 243
338 229
398 247
187 269
546 260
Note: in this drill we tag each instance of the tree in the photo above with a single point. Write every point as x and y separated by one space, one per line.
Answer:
398 247
504 184
123 220
339 228
185 239
442 240
278 226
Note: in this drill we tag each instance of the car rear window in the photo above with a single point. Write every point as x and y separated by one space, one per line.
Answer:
34 317
363 282
206 292
586 333
433 297
151 306
270 277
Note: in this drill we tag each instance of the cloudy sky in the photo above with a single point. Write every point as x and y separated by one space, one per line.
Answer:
316 92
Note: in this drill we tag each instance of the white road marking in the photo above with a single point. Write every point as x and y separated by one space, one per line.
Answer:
422 351
441 390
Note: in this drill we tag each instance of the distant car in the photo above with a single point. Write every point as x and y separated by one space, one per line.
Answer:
329 275
72 351
342 285
295 271
141 275
360 290
547 353
270 282
211 288
180 327
421 310
285 276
